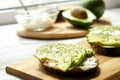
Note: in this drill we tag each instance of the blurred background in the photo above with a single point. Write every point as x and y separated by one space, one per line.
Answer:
7 7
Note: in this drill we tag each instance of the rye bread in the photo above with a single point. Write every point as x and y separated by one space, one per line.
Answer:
108 51
72 72
76 70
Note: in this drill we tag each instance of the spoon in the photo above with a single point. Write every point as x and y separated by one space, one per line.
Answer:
24 7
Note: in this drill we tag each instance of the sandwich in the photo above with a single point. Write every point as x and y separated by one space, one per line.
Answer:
105 39
67 59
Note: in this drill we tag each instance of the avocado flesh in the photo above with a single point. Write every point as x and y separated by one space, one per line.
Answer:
80 57
64 62
104 36
61 56
55 55
89 52
77 22
78 53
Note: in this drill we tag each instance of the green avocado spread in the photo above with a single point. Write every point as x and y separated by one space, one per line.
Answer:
62 56
104 36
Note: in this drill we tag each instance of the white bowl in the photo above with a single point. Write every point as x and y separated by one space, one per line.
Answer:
38 18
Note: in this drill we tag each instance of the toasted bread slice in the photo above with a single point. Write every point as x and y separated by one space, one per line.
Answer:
67 59
90 65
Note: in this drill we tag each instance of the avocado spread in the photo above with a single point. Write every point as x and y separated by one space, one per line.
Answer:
62 56
104 36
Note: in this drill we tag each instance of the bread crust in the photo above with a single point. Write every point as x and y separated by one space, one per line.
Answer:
108 51
71 72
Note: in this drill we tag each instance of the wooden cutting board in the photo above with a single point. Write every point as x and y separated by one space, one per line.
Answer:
60 30
31 69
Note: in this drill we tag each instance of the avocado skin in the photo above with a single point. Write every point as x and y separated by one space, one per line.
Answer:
80 23
95 6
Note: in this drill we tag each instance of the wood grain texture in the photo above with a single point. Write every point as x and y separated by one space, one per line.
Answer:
31 69
60 30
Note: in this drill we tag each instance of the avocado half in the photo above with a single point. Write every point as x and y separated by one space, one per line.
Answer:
77 22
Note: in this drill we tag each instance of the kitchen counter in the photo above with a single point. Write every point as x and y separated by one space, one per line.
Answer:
14 48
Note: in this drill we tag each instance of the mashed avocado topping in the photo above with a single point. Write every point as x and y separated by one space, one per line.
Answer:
63 56
104 36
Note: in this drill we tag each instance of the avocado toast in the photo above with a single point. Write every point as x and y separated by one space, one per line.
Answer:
105 39
67 59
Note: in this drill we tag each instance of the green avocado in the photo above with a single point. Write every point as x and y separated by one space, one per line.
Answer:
61 56
78 54
81 55
78 22
104 36
64 62
95 6
55 54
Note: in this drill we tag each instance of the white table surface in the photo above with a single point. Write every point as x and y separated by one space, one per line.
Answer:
14 48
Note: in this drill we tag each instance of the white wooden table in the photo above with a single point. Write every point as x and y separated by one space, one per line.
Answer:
14 48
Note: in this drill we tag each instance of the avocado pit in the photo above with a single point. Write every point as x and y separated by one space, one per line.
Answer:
79 12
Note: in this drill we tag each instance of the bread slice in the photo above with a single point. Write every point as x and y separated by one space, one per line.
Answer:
89 66
105 40
106 50
52 57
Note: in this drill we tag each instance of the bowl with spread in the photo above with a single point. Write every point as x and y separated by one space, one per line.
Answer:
39 18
